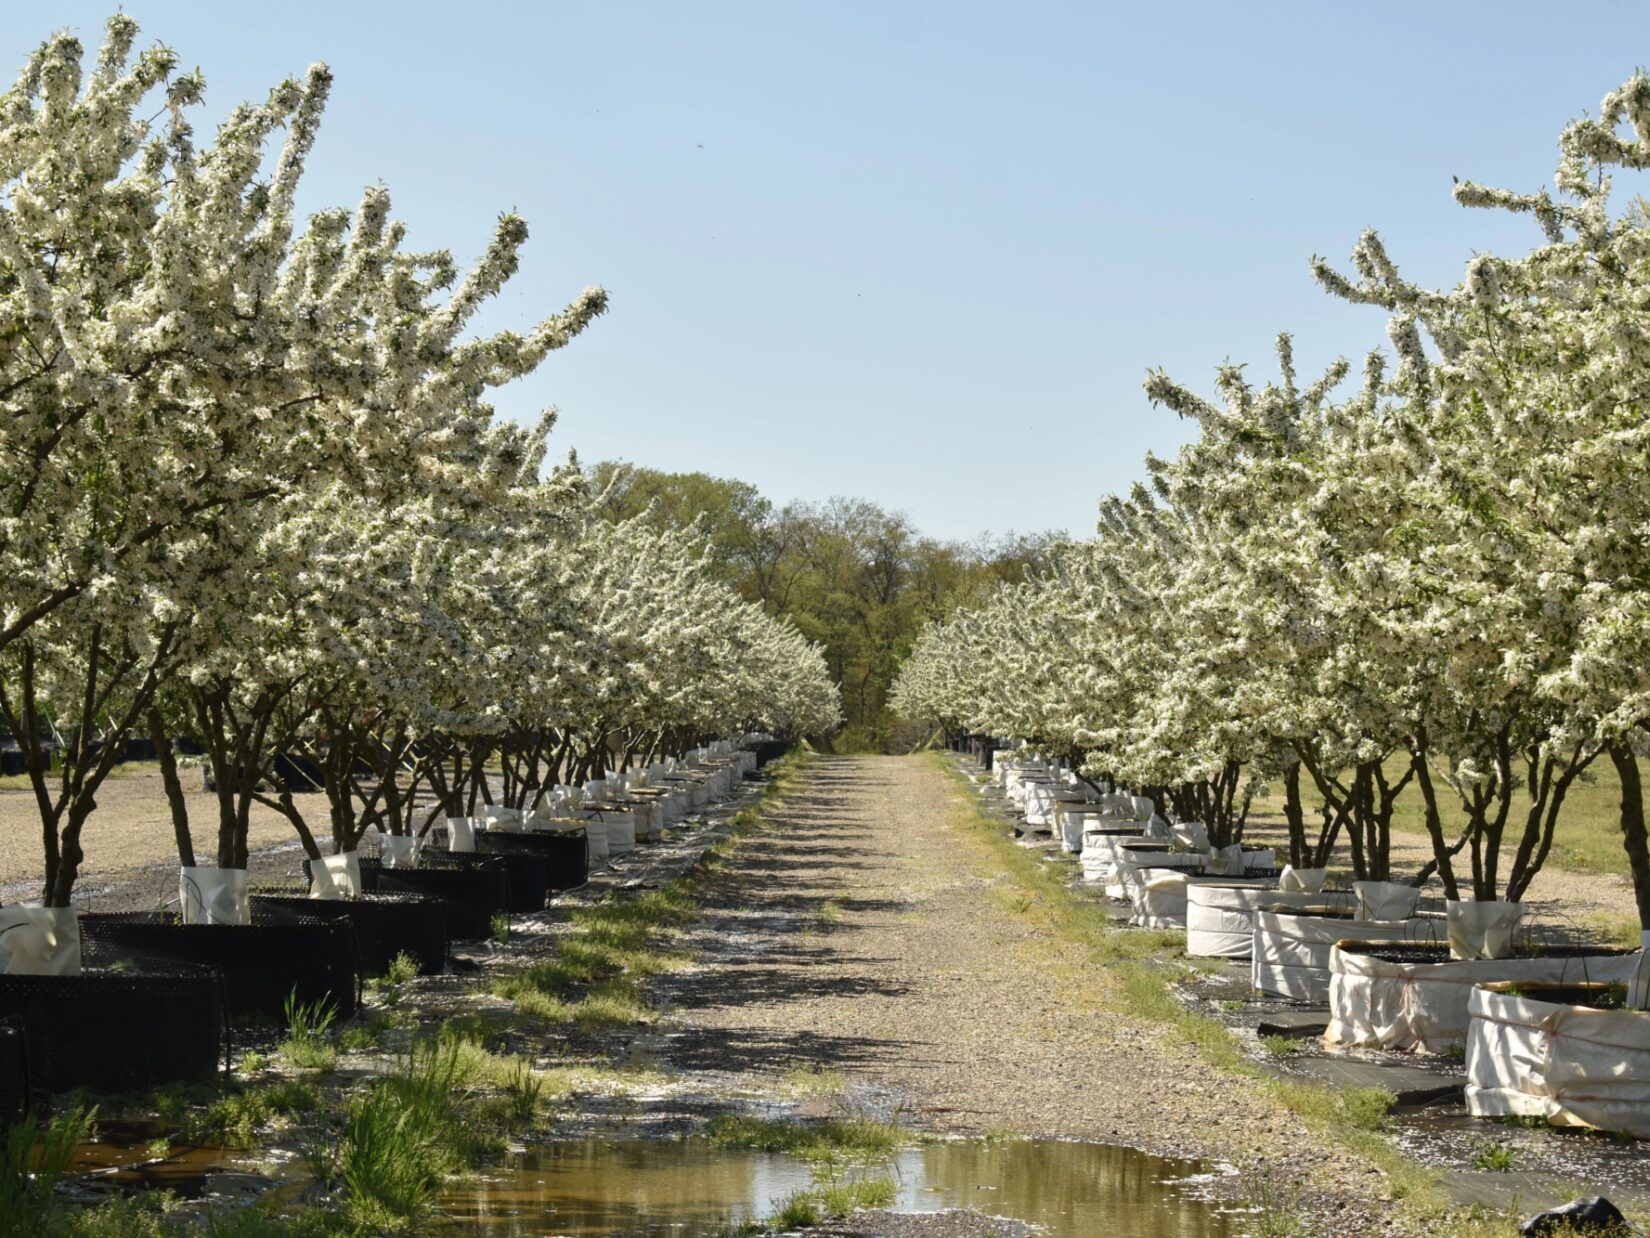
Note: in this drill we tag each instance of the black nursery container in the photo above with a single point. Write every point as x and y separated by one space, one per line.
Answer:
528 874
565 851
14 1073
115 1031
385 924
280 954
473 893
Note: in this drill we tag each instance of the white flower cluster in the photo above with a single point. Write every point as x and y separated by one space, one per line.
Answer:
253 491
1440 580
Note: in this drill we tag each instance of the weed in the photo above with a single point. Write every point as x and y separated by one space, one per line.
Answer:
831 1201
358 1039
523 1092
836 1139
1232 1005
1492 1155
1281 1046
403 970
501 927
252 1063
306 1046
1275 1209
32 1158
124 1216
391 1162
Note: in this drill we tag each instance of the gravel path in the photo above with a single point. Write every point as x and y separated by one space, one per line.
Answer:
870 931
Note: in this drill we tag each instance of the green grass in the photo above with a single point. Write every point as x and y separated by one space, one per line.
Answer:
33 1155
837 1139
1492 1155
306 1045
831 1201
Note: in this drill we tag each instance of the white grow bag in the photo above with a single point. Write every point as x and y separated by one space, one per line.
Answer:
1038 805
39 941
1387 1004
1134 860
214 895
1572 1065
1220 915
1384 900
1290 953
1101 851
1071 821
461 832
1158 899
335 876
400 850
620 826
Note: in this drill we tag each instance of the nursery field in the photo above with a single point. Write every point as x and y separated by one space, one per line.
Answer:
129 844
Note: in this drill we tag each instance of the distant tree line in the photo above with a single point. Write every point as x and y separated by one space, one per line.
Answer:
857 578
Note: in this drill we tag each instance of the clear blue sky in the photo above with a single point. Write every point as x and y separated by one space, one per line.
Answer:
918 253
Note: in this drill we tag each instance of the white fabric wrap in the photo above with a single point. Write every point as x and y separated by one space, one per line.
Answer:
1158 827
1384 900
1262 857
495 812
39 941
1144 809
214 895
1130 865
1377 1003
1038 804
1572 1065
1302 878
1070 821
400 850
1100 852
1191 835
1159 901
1290 953
621 830
594 789
595 832
335 876
1638 988
1481 930
461 832
1225 861
1220 919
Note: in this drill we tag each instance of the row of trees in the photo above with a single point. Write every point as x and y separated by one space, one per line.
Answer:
1439 579
253 492
857 579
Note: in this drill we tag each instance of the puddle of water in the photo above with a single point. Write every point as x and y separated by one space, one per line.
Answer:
653 1188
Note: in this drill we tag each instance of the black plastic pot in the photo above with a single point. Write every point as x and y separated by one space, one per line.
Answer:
528 873
566 851
280 954
385 924
14 1073
116 1031
472 893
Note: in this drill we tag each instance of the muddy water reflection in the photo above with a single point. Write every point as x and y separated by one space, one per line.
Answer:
647 1188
